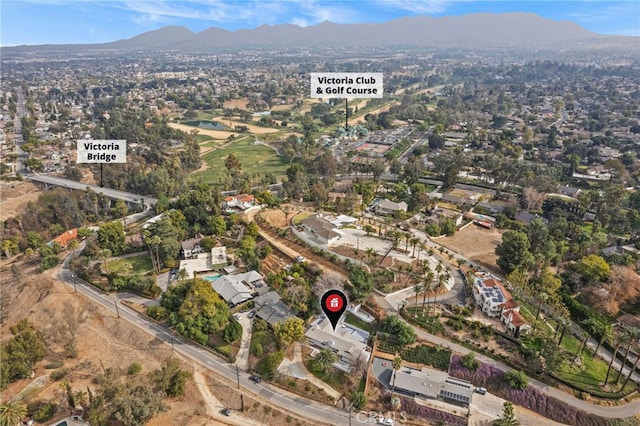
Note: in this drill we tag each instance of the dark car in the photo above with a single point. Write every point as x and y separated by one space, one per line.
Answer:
226 412
251 314
255 379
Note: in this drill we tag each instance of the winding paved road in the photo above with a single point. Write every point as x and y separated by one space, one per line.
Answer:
287 401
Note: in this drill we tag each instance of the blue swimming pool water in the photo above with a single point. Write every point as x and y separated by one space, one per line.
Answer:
212 278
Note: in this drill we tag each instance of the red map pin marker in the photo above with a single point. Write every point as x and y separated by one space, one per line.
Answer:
333 304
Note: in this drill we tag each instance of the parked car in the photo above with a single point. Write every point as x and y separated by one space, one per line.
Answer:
481 391
251 314
386 421
237 316
255 379
300 259
226 412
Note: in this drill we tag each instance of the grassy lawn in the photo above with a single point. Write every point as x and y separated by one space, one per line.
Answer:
255 159
357 322
139 265
302 216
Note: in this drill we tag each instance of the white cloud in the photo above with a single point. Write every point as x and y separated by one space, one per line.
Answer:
423 7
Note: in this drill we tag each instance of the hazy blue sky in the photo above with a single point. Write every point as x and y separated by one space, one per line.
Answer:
92 21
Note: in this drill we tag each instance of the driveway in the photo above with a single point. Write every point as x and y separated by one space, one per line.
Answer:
242 360
295 368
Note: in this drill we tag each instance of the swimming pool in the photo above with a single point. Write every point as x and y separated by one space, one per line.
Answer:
212 278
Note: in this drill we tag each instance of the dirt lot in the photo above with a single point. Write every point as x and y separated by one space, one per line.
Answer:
476 244
14 197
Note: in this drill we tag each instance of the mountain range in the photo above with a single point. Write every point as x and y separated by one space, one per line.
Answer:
473 31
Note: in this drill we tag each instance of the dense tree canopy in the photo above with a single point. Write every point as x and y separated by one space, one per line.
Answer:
195 309
513 251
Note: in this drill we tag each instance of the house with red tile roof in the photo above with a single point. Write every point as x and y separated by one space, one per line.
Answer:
238 202
65 238
496 302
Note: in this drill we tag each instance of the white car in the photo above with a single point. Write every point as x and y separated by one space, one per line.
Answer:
386 421
237 316
300 259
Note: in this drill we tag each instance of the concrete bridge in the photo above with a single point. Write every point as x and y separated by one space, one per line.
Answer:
51 181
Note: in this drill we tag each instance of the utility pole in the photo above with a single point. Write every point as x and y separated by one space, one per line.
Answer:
116 303
241 396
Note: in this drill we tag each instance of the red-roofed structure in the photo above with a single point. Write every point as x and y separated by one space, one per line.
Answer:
240 202
65 238
496 301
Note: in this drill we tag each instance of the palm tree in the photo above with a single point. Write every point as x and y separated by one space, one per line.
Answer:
543 298
582 344
564 323
12 413
605 332
428 282
635 364
632 334
613 357
397 363
442 278
155 241
417 289
371 255
182 274
324 359
104 254
414 242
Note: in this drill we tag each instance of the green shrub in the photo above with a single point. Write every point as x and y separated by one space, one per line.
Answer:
267 367
257 349
158 313
58 374
517 379
232 332
41 411
469 361
134 368
54 364
261 325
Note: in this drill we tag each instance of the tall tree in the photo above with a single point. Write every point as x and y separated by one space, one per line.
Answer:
397 364
513 251
417 289
508 417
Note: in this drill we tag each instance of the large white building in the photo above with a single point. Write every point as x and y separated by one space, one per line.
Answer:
348 342
495 301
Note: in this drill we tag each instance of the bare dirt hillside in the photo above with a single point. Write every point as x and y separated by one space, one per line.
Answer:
14 197
74 325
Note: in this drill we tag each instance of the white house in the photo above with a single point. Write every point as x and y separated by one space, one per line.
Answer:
495 301
205 262
321 229
191 247
513 320
238 202
348 342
